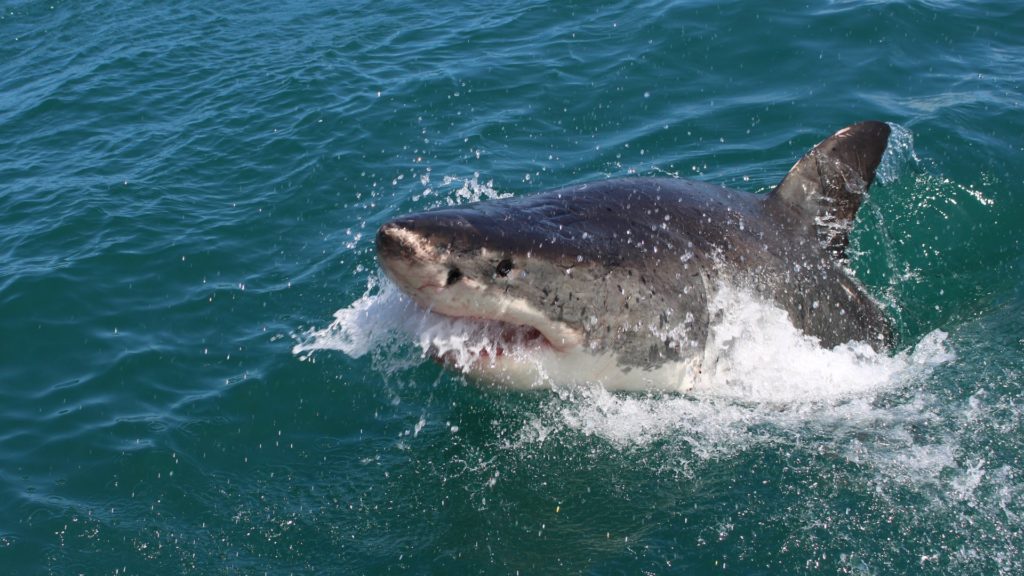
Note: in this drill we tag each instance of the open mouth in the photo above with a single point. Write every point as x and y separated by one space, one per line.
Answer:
465 342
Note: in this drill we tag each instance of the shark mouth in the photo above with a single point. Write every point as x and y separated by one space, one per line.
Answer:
473 343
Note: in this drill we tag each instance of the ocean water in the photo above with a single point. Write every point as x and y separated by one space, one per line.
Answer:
203 372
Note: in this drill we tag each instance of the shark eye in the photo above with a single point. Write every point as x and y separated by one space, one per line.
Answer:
504 267
454 275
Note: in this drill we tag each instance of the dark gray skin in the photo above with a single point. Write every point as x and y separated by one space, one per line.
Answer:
632 264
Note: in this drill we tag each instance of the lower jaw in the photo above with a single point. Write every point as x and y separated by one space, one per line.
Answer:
488 357
546 368
522 368
505 340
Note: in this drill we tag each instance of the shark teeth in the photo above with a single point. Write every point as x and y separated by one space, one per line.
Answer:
463 342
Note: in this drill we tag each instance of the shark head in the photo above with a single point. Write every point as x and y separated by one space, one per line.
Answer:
448 263
549 284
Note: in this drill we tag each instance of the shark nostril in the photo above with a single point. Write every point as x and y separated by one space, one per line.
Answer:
454 275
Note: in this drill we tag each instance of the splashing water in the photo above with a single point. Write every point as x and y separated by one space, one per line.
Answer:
384 316
759 369
754 353
900 157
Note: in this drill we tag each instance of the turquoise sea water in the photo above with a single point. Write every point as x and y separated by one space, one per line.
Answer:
190 190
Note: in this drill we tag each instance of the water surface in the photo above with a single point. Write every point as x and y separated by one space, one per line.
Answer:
186 191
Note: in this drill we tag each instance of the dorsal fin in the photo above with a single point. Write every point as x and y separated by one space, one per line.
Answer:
825 188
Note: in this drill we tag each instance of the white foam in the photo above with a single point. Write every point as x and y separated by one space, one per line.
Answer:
755 354
359 328
384 316
760 371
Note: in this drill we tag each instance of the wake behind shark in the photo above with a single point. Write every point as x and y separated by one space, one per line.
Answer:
611 282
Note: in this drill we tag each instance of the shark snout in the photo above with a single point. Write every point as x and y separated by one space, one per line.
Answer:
401 240
405 256
391 240
426 237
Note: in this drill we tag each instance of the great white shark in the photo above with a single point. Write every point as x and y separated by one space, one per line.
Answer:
610 282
